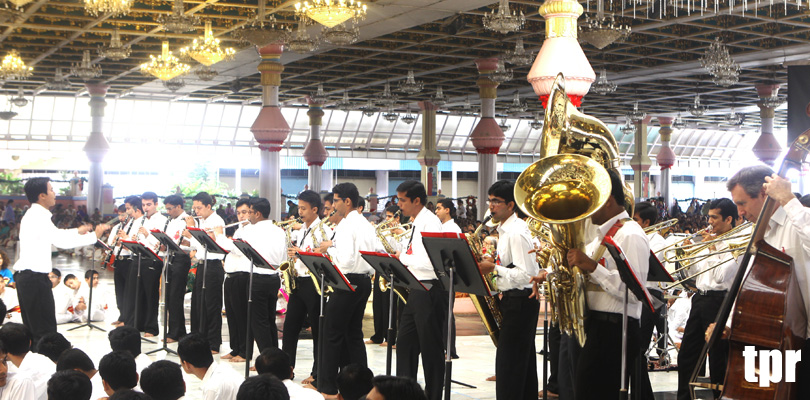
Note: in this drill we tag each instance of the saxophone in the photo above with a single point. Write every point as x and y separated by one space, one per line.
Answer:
380 230
317 243
287 267
488 307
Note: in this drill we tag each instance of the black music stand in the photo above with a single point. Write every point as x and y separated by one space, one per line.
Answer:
171 250
457 270
257 260
140 251
389 266
321 266
209 246
658 273
98 245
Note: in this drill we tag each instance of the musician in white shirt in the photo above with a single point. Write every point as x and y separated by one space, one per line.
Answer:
119 265
178 268
37 235
446 211
137 218
380 301
149 289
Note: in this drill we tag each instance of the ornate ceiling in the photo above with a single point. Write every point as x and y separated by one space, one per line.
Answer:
439 39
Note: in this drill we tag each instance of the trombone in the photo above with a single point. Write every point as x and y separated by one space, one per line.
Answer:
661 226
690 251
734 248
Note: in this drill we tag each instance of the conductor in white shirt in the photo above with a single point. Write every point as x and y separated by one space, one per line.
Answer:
37 235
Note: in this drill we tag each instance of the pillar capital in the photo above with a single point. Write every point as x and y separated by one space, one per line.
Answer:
96 88
487 87
315 113
315 153
487 137
666 128
270 66
427 106
766 112
767 89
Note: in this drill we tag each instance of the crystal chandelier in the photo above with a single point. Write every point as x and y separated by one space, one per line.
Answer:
206 50
696 109
113 7
636 115
165 66
174 84
734 118
330 13
501 73
679 123
58 82
20 100
628 128
319 97
301 42
86 70
260 30
536 123
408 118
727 77
504 21
344 104
411 86
115 50
13 67
772 102
369 109
206 73
19 3
602 84
386 98
602 31
516 107
504 125
178 21
519 56
439 99
390 115
719 64
7 115
341 35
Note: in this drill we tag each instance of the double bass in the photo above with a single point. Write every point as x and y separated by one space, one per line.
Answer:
766 303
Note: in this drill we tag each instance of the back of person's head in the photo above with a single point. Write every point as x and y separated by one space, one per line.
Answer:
616 187
34 187
69 385
413 190
354 381
347 190
125 338
56 272
262 387
52 345
275 362
129 394
398 388
647 212
118 370
163 380
261 206
195 350
72 359
16 337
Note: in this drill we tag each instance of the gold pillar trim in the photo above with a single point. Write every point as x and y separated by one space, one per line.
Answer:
766 112
315 116
487 88
561 17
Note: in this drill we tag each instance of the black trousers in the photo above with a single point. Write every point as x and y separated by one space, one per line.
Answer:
147 296
236 301
569 359
598 371
175 295
516 357
803 374
210 303
36 303
304 305
120 275
420 332
704 311
343 332
263 312
649 320
380 304
554 337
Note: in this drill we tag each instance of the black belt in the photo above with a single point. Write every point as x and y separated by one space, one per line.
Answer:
517 293
713 293
29 272
609 317
430 281
356 276
235 274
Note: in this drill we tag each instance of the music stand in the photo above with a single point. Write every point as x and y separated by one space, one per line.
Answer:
209 246
457 270
321 266
389 266
171 249
257 260
101 245
140 251
658 273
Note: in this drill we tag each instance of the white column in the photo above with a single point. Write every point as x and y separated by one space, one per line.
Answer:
326 180
96 147
454 183
237 180
315 178
382 183
487 175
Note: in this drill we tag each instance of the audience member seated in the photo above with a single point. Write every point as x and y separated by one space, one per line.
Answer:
262 387
129 394
127 338
83 297
36 367
13 386
354 381
276 362
218 382
5 272
69 385
117 370
78 360
52 345
395 388
163 380
63 297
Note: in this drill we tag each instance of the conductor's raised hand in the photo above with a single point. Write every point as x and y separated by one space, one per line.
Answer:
100 229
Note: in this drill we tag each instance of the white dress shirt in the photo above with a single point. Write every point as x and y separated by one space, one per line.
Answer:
213 221
414 255
514 245
270 242
63 301
175 230
352 234
38 234
156 222
131 230
221 382
677 316
235 261
18 388
633 243
99 302
311 238
719 277
450 226
297 392
38 369
657 243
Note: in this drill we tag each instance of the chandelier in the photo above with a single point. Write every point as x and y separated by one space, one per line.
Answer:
602 31
260 30
628 128
174 84
19 3
772 102
501 73
696 109
439 99
165 66
719 64
58 82
727 77
536 123
319 97
636 115
206 73
341 35
13 67
178 21
516 107
519 56
386 98
679 123
301 42
7 115
734 118
369 109
206 49
116 50
602 84
411 86
344 104
390 115
408 118
86 70
504 125
20 100
330 13
504 21
113 7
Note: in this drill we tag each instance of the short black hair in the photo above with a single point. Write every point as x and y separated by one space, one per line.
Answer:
392 209
68 277
361 203
129 394
90 272
163 380
330 198
398 388
311 198
647 212
125 338
16 337
750 179
616 187
149 196
3 308
805 200
354 381
35 187
134 202
52 345
74 359
204 198
274 361
503 189
122 208
243 202
56 272
413 190
727 209
118 370
347 190
262 387
174 200
261 206
69 385
195 350
448 204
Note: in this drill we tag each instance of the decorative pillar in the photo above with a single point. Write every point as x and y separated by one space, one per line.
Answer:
767 148
327 183
96 148
382 183
666 159
315 153
641 161
270 129
428 155
454 183
487 136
